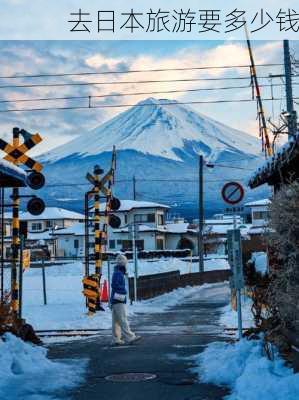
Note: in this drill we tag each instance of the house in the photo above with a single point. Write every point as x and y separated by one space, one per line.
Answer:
259 215
52 218
149 219
70 241
41 228
282 168
11 175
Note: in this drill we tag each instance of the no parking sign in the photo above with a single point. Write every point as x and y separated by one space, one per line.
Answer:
232 193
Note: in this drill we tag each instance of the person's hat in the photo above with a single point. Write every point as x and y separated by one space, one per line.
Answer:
121 260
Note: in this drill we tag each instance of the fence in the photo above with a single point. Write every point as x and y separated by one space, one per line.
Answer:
150 286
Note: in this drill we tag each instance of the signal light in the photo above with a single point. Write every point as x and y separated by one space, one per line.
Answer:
35 180
36 206
114 203
98 170
114 221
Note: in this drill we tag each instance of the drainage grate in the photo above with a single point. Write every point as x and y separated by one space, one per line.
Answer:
131 377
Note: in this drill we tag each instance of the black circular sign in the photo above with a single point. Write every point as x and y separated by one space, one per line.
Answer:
232 192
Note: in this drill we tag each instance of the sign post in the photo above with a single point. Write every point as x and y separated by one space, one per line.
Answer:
134 234
232 193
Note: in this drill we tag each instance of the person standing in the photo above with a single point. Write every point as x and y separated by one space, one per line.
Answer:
121 331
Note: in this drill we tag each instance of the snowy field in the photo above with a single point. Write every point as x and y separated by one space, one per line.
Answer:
65 307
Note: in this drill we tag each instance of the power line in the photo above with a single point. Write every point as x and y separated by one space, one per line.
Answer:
47 75
91 107
33 85
188 180
87 97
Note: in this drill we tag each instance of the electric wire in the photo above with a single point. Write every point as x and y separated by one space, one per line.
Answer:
194 68
103 106
39 85
86 97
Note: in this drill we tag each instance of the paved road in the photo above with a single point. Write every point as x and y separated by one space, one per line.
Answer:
170 339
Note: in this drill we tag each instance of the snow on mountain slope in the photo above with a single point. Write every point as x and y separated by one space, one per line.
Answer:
171 131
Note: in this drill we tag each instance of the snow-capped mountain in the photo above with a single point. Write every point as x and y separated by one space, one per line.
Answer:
155 141
171 131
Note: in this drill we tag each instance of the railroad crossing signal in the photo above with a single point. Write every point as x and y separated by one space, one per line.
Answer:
102 188
15 153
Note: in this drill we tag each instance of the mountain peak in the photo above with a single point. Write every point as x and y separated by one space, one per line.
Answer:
160 127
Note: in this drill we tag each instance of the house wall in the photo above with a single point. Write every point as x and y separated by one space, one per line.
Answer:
259 215
149 239
66 245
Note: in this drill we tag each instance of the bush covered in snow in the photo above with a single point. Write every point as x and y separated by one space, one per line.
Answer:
27 373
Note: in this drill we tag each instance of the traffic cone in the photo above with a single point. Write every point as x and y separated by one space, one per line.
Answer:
104 292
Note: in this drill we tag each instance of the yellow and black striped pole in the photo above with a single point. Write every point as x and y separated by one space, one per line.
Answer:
97 222
15 239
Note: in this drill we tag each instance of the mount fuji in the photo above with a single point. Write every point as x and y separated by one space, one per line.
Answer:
158 142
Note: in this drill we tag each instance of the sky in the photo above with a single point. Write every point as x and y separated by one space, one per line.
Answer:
57 127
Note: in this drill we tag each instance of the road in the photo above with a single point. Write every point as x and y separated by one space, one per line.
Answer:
170 339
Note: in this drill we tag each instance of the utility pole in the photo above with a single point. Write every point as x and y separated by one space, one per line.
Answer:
292 115
134 187
200 216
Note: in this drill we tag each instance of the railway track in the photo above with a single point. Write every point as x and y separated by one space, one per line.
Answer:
96 332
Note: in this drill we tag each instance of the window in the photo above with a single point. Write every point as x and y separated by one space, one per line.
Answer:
140 244
36 226
76 243
161 219
144 218
126 219
260 215
49 224
119 242
160 244
112 244
126 245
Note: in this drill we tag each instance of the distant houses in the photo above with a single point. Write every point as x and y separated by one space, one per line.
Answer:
60 232
42 228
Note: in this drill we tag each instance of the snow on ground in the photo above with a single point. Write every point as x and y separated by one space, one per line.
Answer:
249 374
65 307
260 261
229 317
27 374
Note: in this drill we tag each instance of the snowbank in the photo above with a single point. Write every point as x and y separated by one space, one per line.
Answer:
260 262
250 375
27 373
229 317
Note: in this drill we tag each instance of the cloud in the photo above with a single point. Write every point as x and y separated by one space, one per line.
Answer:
68 57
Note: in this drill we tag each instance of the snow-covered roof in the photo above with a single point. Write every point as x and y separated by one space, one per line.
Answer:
257 203
10 170
47 235
77 229
141 228
181 227
226 221
52 213
128 205
270 167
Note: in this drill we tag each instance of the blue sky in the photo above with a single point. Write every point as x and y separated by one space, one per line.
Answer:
26 57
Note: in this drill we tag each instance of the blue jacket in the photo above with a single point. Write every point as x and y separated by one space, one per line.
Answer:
118 285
